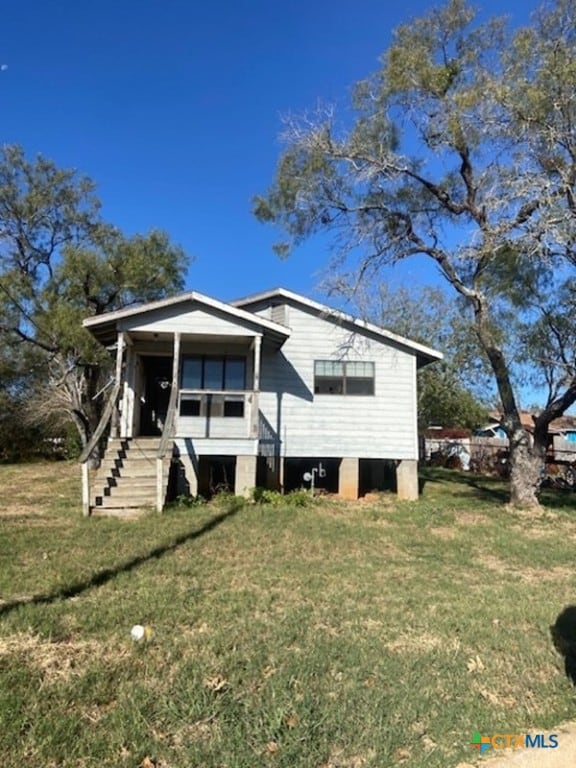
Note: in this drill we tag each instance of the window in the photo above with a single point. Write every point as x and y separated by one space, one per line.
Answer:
212 406
336 377
190 405
234 407
214 373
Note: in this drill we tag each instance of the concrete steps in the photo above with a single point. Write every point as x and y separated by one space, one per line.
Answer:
125 483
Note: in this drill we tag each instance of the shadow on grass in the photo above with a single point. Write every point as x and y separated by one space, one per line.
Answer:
491 489
558 498
462 485
107 574
563 633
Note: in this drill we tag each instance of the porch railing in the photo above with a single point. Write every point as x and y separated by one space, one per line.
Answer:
220 413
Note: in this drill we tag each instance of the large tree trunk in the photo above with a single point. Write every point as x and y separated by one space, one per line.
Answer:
527 456
526 462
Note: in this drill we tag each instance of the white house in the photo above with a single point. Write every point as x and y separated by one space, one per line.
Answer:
259 391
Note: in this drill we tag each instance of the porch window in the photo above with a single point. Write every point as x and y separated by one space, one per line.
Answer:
212 406
190 405
205 379
214 373
338 377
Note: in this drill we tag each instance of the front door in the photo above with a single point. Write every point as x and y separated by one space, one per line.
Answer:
158 380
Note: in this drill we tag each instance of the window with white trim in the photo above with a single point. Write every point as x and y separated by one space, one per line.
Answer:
216 375
213 373
343 377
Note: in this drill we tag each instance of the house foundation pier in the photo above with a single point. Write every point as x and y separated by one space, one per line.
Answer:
407 479
348 476
245 475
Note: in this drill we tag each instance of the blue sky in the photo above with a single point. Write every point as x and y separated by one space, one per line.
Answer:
174 107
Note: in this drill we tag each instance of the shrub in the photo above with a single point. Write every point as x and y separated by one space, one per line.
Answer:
299 498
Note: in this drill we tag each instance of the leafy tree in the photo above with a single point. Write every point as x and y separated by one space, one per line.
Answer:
462 150
450 393
59 262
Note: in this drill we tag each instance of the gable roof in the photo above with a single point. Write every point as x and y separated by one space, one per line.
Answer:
104 327
424 354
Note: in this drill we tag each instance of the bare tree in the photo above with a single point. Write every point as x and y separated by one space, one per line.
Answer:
462 149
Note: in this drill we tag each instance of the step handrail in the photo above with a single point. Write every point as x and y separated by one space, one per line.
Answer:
93 442
102 424
168 431
167 437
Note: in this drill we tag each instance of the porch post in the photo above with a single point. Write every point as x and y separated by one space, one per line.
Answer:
176 360
85 489
120 345
169 425
128 398
255 415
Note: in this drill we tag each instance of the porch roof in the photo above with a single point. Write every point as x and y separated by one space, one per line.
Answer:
105 327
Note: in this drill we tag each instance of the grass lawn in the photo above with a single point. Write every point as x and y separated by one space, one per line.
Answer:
332 636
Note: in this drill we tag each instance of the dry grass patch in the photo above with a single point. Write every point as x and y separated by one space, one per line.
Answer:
58 660
339 759
423 643
527 573
445 532
466 517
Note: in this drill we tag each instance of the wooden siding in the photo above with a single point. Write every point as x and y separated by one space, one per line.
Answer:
383 425
216 447
379 426
215 427
196 321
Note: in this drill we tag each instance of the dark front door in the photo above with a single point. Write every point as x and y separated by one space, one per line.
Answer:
158 377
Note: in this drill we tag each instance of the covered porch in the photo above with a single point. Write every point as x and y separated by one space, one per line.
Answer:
199 387
184 380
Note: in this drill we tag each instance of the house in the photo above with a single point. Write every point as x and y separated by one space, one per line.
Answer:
262 391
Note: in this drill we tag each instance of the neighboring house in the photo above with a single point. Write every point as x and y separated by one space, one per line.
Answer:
561 436
260 391
492 431
447 447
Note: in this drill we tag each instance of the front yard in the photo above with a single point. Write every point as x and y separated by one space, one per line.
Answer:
331 636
